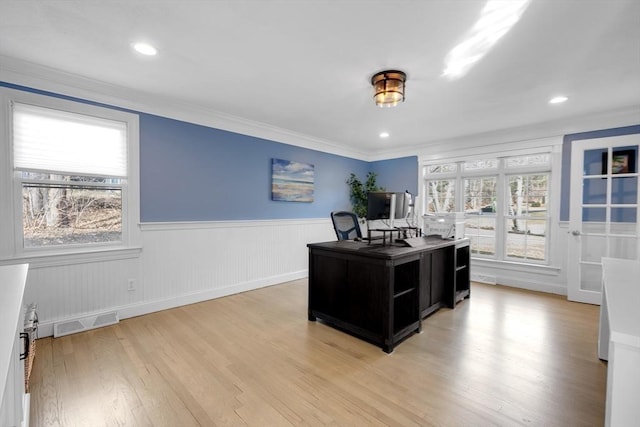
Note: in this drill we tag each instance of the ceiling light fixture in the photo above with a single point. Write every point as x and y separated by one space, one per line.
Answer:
384 134
558 99
388 87
145 49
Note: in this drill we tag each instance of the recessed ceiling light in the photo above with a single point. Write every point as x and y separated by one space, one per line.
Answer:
384 134
145 49
558 99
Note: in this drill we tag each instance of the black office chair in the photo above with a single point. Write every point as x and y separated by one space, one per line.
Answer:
346 225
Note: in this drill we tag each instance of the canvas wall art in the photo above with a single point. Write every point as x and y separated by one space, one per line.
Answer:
291 181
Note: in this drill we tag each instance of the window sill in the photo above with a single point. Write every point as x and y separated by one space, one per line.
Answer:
41 260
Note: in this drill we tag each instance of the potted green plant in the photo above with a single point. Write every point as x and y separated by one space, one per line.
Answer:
358 193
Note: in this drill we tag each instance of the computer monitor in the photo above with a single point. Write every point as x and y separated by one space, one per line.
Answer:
381 205
404 201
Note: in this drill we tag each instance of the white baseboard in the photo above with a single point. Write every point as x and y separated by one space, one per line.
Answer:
45 329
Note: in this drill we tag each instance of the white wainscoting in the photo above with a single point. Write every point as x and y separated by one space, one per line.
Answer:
188 262
180 263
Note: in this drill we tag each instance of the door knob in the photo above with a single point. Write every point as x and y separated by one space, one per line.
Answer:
576 232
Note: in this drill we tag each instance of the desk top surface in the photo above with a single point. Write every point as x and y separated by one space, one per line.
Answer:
376 249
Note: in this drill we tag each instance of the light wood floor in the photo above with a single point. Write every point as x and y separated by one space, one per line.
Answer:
505 357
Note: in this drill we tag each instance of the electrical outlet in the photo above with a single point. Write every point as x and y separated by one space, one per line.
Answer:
131 285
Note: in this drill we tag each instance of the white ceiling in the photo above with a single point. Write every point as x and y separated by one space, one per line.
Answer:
305 66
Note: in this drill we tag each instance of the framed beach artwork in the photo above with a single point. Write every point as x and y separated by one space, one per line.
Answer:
291 181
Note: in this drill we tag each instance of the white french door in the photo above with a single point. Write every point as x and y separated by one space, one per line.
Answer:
604 211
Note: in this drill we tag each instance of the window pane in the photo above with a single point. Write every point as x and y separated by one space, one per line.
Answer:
445 168
480 164
440 196
525 161
528 195
482 232
64 215
480 195
526 238
56 178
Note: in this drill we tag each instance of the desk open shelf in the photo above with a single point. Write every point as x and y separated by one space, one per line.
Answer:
462 272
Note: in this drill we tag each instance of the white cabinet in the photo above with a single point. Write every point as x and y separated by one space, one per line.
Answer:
619 340
14 409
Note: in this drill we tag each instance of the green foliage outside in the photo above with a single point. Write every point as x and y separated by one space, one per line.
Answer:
358 192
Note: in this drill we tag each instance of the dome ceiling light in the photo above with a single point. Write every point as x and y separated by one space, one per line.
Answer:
388 87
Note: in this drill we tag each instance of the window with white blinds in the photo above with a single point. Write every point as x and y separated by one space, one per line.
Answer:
73 173
46 139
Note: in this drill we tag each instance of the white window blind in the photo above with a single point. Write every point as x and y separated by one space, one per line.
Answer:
46 139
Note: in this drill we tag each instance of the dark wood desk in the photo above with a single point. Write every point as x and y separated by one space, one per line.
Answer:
382 293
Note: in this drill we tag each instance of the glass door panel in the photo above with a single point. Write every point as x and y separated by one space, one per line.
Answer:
624 190
624 214
593 248
594 191
591 277
594 214
624 228
593 161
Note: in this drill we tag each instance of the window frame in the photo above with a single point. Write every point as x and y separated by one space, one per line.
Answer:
483 174
507 216
502 174
11 189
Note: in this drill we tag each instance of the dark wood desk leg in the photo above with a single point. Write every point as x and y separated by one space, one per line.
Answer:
387 348
311 317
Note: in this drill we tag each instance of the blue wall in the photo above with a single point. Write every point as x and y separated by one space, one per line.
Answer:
397 174
567 143
190 172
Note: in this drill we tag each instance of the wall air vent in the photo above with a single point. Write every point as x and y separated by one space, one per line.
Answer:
72 326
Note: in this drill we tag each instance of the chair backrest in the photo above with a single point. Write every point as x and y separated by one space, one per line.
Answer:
346 225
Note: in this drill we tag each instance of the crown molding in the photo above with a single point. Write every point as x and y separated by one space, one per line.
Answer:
626 116
40 77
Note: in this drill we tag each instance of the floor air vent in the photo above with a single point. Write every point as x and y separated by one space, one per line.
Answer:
484 278
84 324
